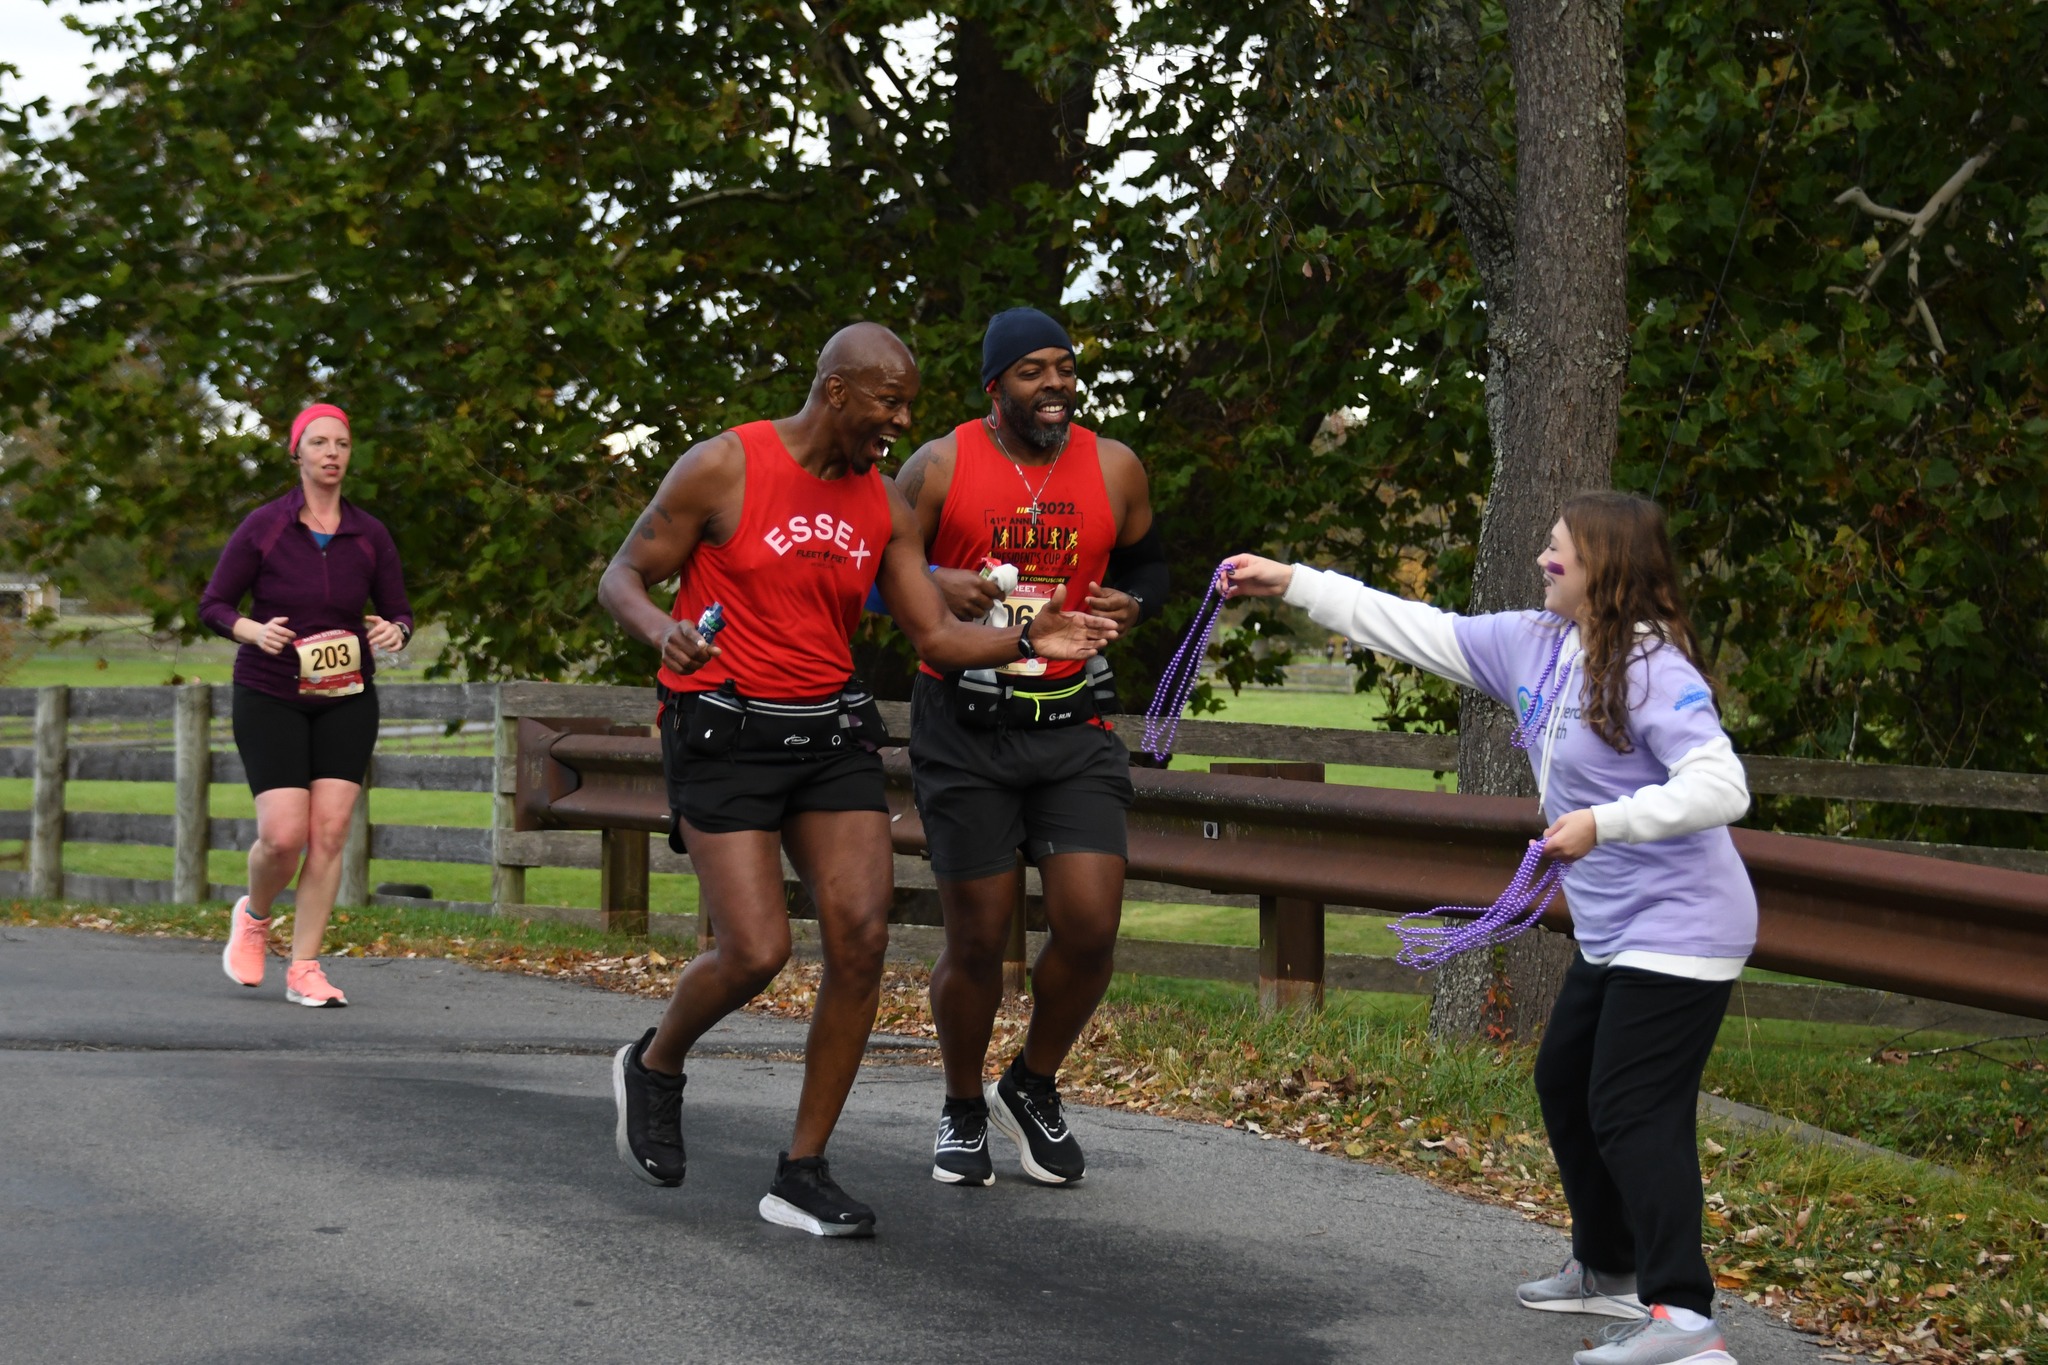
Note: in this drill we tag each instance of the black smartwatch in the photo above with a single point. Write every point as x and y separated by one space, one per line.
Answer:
1025 649
405 633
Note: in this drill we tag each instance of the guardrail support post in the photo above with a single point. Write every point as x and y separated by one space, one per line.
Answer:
508 883
622 882
1290 931
46 817
1017 971
355 854
191 732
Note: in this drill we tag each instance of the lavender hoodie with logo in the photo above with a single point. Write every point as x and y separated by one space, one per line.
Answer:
273 559
1643 888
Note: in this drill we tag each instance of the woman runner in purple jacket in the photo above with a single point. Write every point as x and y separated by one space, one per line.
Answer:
305 707
1638 783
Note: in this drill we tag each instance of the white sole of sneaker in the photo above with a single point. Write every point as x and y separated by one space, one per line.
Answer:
1003 1121
1600 1305
309 1001
784 1214
625 1148
946 1177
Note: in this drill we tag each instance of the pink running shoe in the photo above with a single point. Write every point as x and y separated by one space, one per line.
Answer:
248 945
306 984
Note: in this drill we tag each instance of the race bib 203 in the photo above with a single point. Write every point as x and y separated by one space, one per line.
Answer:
330 664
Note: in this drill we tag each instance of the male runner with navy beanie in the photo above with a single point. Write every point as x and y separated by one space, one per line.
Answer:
1021 757
768 742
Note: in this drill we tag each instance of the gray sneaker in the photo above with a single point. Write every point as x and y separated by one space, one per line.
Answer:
1580 1289
1656 1340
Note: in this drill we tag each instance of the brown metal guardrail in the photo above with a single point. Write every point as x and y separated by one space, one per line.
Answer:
1977 934
1922 926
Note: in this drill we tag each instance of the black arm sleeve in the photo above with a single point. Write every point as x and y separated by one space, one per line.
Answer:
1140 570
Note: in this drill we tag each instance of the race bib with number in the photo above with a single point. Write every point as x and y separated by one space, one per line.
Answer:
330 664
1022 603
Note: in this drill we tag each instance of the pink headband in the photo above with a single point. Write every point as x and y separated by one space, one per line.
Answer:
306 418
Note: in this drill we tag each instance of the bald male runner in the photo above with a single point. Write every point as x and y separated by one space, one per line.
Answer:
768 744
1020 757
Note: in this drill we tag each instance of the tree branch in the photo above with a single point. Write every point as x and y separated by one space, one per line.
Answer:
233 282
740 192
1916 223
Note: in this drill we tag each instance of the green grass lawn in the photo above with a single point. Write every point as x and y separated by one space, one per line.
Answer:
49 670
1322 711
122 652
1239 927
1279 706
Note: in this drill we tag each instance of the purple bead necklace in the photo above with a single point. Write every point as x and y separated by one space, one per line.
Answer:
1177 683
1513 912
1536 882
1549 690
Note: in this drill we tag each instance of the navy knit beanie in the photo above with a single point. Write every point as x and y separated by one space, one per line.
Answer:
1014 334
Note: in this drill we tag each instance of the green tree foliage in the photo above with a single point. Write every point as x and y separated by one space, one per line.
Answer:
502 235
1861 480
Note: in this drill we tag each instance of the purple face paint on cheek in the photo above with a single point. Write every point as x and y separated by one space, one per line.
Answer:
1555 570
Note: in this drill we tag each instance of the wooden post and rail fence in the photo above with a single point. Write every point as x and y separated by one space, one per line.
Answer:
90 734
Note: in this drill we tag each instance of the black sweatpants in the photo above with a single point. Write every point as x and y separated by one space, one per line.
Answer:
1619 1077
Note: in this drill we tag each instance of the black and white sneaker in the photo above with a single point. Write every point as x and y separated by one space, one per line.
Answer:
649 1134
960 1156
807 1198
1026 1109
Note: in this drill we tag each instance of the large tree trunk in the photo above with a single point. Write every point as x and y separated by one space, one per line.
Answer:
1007 133
1557 358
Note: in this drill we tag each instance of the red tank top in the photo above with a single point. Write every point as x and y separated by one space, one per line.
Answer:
791 578
987 512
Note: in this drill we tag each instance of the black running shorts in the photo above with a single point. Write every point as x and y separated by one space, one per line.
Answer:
726 795
984 794
294 743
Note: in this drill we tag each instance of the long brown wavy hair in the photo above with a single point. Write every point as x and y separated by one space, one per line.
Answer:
1631 579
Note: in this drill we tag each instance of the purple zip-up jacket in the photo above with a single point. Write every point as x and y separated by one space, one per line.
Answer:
273 556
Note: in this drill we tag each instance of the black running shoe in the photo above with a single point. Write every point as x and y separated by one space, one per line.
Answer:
1026 1109
806 1197
649 1135
960 1156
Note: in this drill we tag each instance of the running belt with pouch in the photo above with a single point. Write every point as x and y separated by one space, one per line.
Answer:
984 699
724 724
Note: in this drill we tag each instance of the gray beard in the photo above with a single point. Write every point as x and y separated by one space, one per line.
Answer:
1023 422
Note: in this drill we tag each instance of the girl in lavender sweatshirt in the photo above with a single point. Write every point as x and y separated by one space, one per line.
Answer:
1639 783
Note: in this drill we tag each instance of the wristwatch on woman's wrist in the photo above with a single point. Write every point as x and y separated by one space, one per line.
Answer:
404 633
1025 649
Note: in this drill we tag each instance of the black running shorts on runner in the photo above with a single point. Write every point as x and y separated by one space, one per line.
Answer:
984 794
726 795
295 743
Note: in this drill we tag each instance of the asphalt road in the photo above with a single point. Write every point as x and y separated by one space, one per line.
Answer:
191 1171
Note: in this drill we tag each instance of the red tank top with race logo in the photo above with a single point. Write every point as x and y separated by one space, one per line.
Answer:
791 578
987 512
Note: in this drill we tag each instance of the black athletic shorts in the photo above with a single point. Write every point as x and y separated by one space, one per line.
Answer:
292 743
984 794
748 791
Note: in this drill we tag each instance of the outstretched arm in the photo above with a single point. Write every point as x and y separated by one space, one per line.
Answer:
1413 632
691 504
948 644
